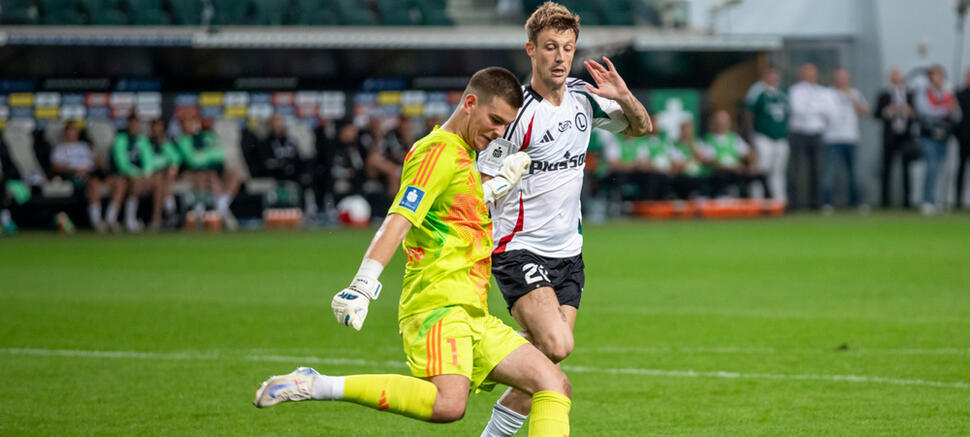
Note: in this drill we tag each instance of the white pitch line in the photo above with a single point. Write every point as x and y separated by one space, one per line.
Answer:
768 350
213 356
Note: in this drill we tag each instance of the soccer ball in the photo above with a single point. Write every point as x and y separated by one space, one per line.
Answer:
354 211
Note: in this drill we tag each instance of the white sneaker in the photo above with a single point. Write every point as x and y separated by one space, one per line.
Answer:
133 226
863 209
927 209
230 221
295 386
827 210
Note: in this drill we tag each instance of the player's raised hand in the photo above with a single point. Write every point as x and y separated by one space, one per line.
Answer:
350 304
609 84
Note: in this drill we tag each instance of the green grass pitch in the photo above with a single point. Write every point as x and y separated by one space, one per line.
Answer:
797 326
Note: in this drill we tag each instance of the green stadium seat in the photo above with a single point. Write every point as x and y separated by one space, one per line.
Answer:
267 12
230 12
17 12
313 12
433 12
184 12
105 12
62 12
587 10
355 13
395 12
616 12
147 12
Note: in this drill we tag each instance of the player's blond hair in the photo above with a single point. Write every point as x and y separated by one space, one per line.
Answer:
551 15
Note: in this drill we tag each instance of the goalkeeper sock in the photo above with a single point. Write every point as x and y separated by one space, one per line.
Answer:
550 414
404 395
504 422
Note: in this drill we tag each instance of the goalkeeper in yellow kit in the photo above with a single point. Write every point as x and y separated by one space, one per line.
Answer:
453 344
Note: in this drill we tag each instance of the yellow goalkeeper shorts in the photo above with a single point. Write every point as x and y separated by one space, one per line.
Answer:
450 341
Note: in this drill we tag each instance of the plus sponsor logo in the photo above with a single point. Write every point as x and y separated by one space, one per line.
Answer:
567 162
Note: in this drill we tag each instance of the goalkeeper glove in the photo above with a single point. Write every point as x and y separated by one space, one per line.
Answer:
350 305
513 168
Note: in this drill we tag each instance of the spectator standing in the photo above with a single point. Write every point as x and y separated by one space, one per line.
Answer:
845 106
963 134
768 113
808 101
894 107
937 112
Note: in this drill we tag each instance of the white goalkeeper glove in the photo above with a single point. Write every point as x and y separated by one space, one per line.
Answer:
350 305
513 168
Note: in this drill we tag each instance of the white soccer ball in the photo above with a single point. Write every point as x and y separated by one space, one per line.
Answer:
354 211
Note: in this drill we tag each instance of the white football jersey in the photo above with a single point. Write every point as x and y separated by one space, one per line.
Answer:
542 213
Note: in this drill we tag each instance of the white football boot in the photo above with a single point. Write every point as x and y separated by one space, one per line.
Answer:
295 386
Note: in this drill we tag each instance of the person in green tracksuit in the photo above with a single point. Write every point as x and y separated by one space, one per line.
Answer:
202 162
167 163
132 157
731 160
626 163
692 176
12 191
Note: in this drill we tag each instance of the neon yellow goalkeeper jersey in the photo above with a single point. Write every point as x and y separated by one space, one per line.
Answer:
449 246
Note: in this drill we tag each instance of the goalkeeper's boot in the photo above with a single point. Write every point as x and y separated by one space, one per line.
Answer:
295 386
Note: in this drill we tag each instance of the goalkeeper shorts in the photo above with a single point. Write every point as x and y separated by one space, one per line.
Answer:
450 341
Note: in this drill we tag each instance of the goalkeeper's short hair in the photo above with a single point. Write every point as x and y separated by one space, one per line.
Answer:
491 82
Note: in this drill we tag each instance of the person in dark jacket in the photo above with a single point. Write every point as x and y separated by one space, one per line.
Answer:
963 135
894 107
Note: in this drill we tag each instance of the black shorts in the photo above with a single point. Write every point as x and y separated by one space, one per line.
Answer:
518 272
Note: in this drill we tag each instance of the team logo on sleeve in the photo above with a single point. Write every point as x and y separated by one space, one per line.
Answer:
581 122
412 198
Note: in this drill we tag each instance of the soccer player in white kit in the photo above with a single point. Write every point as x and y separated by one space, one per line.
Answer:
537 261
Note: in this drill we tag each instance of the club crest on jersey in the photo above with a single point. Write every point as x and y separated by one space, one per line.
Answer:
563 125
412 198
581 122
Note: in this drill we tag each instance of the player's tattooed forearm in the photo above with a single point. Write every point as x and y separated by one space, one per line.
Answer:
636 116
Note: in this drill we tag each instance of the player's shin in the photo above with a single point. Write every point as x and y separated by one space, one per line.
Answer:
550 414
404 395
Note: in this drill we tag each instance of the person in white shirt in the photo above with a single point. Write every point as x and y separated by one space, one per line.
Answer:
845 106
808 101
73 160
537 261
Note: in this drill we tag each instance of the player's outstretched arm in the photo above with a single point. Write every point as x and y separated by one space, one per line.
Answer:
350 304
610 85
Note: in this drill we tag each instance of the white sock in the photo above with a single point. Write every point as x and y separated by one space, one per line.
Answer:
94 213
504 422
170 204
5 218
131 209
328 388
310 202
112 215
199 210
222 203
